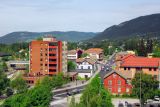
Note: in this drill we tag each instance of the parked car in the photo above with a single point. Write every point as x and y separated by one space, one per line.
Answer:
156 98
73 92
120 105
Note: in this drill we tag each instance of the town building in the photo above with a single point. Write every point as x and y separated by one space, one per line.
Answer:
135 64
74 54
86 67
95 53
45 58
118 83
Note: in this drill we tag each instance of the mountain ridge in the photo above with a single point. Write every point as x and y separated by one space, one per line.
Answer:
26 36
148 25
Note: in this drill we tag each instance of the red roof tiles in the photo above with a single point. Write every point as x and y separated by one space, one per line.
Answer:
135 61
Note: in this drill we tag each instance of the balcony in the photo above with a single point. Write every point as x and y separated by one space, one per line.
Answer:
53 62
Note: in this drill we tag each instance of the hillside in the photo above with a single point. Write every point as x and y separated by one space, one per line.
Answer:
72 36
142 26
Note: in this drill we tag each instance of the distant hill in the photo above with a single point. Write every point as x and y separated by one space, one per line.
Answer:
142 26
72 36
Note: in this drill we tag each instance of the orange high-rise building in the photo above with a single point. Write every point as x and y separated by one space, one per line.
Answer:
45 56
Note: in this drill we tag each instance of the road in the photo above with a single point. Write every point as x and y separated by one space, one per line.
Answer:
60 95
107 67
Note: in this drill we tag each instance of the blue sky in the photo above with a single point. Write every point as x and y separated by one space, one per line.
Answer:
70 15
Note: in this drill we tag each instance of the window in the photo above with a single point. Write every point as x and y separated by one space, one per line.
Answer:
41 64
41 54
110 82
46 54
155 77
88 67
81 67
119 82
52 54
150 69
45 64
128 68
119 89
110 89
41 59
138 69
155 69
124 68
46 49
52 65
127 90
114 75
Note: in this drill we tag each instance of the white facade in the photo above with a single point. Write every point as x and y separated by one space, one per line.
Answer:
85 69
84 75
72 56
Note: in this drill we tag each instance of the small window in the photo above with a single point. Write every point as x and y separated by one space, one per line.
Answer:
41 64
155 77
110 82
46 54
155 69
41 54
41 59
124 68
81 67
128 68
46 64
88 67
119 89
150 69
119 82
127 90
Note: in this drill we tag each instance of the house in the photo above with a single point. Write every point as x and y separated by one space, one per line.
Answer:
74 54
95 53
86 67
118 83
135 64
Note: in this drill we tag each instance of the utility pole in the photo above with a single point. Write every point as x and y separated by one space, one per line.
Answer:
159 73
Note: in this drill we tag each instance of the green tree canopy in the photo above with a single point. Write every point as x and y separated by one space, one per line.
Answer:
19 84
71 66
95 95
4 81
144 86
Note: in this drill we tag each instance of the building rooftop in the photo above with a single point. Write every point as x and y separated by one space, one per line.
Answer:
126 74
80 60
136 61
94 50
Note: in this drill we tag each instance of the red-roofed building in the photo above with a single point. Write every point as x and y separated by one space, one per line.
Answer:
118 83
134 63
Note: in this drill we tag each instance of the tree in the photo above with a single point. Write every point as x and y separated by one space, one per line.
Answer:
84 55
9 91
19 84
71 66
144 86
95 95
4 81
